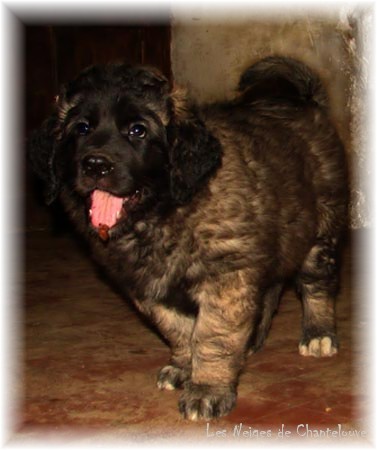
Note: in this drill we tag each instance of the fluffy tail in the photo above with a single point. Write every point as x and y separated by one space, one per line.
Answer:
280 79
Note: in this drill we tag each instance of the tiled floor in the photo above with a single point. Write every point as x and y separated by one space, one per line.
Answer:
90 365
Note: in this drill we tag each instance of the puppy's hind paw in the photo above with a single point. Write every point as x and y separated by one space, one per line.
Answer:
322 346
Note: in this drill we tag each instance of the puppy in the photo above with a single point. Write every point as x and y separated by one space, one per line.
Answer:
201 214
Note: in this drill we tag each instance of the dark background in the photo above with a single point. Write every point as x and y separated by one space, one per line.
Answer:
56 54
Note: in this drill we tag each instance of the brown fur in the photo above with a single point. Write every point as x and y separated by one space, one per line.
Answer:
253 192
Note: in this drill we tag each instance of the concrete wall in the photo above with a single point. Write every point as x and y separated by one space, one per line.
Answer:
208 56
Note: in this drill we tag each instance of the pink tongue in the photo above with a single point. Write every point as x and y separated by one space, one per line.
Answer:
105 208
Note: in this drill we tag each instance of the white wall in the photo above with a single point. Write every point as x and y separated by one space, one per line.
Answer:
209 54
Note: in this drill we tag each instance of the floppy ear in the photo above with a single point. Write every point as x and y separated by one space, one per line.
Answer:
195 154
42 147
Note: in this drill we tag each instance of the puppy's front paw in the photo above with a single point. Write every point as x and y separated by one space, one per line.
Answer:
321 346
200 401
171 377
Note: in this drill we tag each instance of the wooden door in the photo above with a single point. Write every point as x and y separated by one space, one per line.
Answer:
56 54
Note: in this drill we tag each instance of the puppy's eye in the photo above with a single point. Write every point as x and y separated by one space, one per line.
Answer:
82 128
138 131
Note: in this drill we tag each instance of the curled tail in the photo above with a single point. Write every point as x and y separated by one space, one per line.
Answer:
282 79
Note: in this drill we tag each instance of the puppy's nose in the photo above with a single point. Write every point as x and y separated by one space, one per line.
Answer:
96 166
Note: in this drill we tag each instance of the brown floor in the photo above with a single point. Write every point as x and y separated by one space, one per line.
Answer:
90 364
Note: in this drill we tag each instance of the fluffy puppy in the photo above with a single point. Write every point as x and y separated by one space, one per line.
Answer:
201 214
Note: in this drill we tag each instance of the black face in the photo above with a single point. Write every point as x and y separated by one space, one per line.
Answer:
106 152
118 147
114 147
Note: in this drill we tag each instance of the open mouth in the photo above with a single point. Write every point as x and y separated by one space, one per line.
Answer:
107 210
